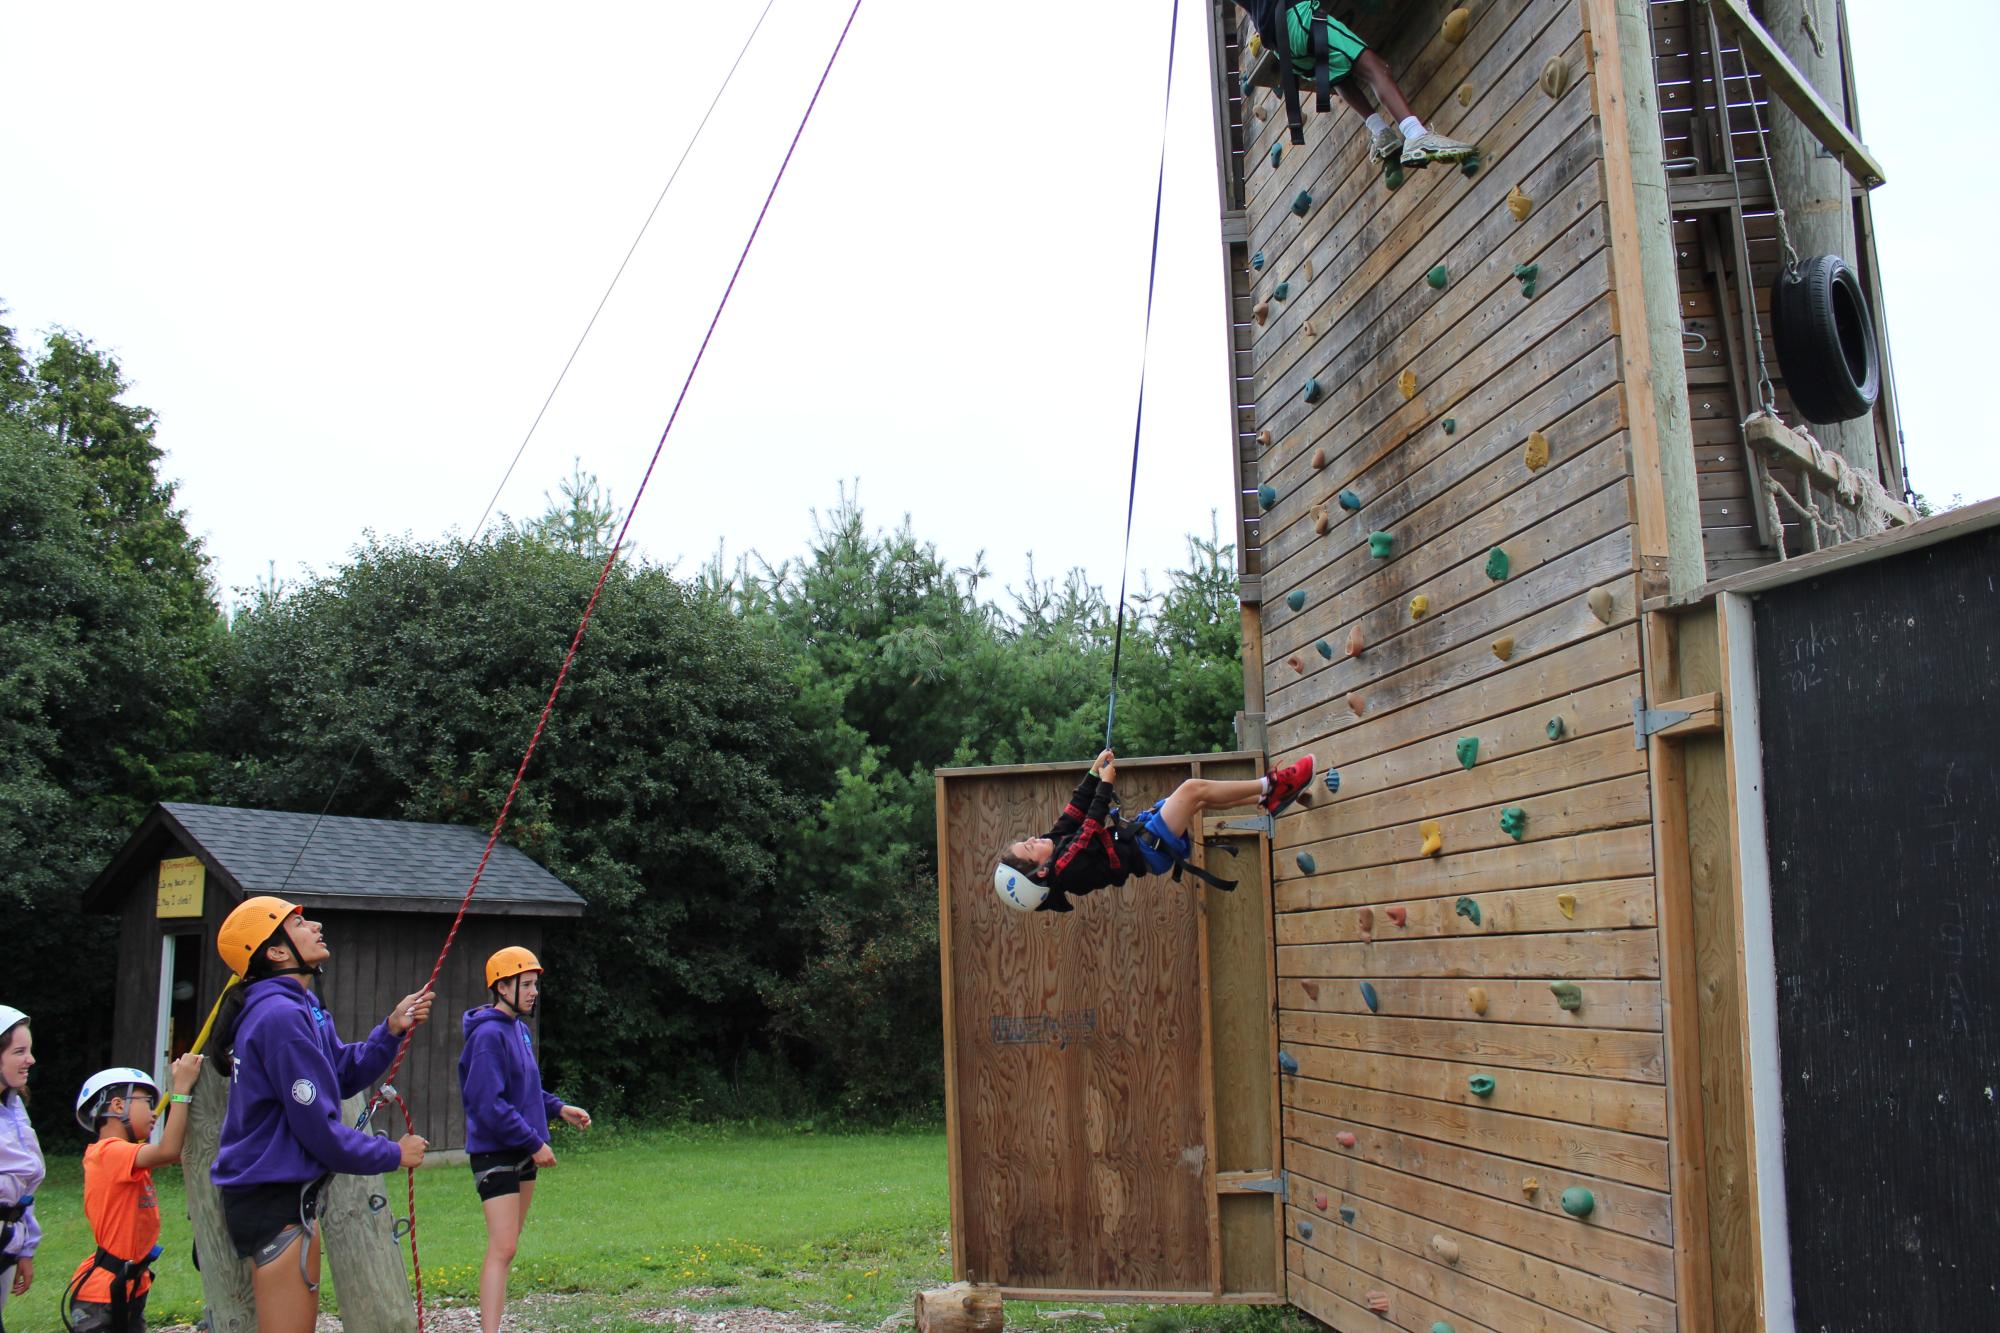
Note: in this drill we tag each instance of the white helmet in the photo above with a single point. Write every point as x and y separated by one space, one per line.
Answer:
1016 889
101 1087
9 1016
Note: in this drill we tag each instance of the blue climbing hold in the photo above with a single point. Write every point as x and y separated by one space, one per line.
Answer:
1307 865
1305 1229
1313 392
1325 649
1350 502
1332 774
1303 204
1369 998
1296 599
1267 496
1288 1062
1347 1215
1281 291
1277 151
1257 260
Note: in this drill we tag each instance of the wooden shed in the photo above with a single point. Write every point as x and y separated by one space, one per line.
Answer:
385 891
1542 1038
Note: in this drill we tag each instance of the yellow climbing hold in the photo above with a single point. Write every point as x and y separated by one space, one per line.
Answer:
1519 204
1566 904
1256 45
1503 648
1420 606
1529 1185
1476 997
1536 455
1406 384
1555 77
1600 604
1465 94
1456 25
1433 834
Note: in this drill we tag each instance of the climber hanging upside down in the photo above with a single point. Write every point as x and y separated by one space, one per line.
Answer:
1091 848
1327 52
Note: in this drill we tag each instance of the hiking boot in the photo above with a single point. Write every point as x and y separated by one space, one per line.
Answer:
1387 145
1287 783
1430 146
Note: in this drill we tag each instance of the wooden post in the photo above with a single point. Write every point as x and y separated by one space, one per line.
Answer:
961 1307
359 1243
1811 183
225 1279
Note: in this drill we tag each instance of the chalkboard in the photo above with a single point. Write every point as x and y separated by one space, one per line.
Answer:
1879 687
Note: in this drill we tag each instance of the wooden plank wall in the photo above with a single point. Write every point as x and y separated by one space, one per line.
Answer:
1579 1098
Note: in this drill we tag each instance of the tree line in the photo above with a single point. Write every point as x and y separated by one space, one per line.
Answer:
737 779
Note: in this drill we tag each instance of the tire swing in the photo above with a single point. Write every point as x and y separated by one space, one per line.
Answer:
1827 348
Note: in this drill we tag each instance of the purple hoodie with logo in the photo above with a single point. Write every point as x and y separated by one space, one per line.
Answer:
506 1109
283 1123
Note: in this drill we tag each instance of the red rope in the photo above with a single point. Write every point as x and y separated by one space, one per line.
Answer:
576 641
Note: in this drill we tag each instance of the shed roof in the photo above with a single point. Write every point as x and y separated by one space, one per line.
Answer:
359 864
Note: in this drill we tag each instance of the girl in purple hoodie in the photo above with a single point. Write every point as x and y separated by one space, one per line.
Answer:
507 1114
20 1161
282 1136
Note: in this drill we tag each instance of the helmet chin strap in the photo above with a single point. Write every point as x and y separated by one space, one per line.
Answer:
314 971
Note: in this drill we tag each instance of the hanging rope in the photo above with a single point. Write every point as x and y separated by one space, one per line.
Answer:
1139 417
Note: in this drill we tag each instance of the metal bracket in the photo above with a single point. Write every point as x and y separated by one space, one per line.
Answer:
1263 824
1268 1185
1646 721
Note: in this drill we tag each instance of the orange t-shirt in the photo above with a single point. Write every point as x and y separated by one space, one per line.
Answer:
124 1213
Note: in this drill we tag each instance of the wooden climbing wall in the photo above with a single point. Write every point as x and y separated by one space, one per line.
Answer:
1446 1208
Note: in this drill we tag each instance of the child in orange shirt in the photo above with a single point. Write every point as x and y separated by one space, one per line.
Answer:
107 1294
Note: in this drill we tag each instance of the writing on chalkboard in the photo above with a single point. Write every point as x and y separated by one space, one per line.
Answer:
1058 1030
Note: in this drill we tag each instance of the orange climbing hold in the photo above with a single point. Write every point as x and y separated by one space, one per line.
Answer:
1433 835
1296 664
1476 997
1503 648
1319 459
1261 312
1354 704
1406 384
1378 1301
1322 520
1456 24
1355 643
1365 918
1536 455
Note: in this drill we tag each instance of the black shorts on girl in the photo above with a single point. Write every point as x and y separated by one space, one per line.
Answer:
497 1174
264 1219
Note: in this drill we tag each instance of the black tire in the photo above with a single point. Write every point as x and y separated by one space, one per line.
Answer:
1827 350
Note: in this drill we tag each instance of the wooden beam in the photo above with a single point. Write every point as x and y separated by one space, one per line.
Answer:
1782 77
1704 715
1790 448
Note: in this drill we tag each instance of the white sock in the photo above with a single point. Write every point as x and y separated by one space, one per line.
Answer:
1264 785
1410 126
1375 122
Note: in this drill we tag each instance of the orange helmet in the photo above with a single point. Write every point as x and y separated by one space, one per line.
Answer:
245 929
511 961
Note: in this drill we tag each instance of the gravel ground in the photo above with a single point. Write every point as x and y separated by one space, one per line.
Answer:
465 1319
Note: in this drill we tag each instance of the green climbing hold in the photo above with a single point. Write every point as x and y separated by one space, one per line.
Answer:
1257 260
1313 392
1468 751
1296 599
1451 425
1281 291
1325 649
1569 995
1555 729
1381 544
1469 166
1468 909
1578 1202
1267 496
1438 277
1307 866
1370 998
1303 203
1480 1085
1392 176
1347 1215
1277 151
1497 564
1514 822
1350 502
1529 274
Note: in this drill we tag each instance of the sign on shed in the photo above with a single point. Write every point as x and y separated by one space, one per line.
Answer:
182 880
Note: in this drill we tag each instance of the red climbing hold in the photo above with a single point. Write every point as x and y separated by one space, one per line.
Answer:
1311 988
1365 918
1399 915
1320 1201
1345 1138
1295 664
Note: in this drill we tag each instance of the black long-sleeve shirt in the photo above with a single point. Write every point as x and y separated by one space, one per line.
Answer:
1092 850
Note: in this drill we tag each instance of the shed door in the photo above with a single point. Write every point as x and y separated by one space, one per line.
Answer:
1110 1077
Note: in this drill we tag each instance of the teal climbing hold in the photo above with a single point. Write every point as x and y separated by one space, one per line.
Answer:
1277 151
1325 649
1350 502
1392 176
1333 779
1243 83
1305 1229
1438 277
1296 599
1267 496
1468 751
1288 1062
1555 729
1441 1327
1313 392
1450 426
1257 260
1480 1085
1281 291
1497 564
1468 909
1514 822
1307 866
1469 167
1569 995
1381 544
1370 998
1347 1215
1578 1201
1303 203
1529 274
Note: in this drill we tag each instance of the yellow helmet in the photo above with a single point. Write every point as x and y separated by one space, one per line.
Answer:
245 929
511 961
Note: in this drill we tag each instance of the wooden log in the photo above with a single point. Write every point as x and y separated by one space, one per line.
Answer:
962 1307
225 1279
360 1246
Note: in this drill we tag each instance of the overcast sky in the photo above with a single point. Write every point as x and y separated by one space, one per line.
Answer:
344 252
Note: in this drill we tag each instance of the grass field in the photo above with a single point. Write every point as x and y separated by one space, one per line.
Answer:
844 1226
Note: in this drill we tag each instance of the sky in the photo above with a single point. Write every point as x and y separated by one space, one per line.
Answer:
344 254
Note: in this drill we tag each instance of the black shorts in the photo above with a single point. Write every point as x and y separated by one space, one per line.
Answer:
495 1174
263 1218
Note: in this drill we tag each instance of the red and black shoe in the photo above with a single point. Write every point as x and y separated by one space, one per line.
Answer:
1287 783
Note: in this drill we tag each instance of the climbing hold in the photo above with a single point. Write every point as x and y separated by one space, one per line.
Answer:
1321 519
1555 729
1406 384
1277 151
1325 649
1392 176
1529 274
1566 904
1536 455
1399 915
1497 564
1555 77
1305 1229
1381 544
1468 166
1303 203
1319 459
1267 496
1468 909
1296 599
1256 45
1296 663
1355 705
1569 995
1519 204
1480 1085
1347 1215
1261 312
1257 260
1433 836
1311 331
1306 863
1529 1185
1288 1062
1476 997
1451 425
1369 998
1263 112
1332 779
1355 643
1600 604
1420 605
1468 751
1311 988
1321 1202
1282 291
1365 918
1308 270
1350 502
1578 1201
1466 94
1445 1248
1438 277
1503 648
1378 1302
1513 822
1456 25
1345 1138
1440 1326
1264 438
1313 392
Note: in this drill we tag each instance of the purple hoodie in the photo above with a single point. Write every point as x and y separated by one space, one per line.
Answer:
283 1123
506 1109
20 1174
